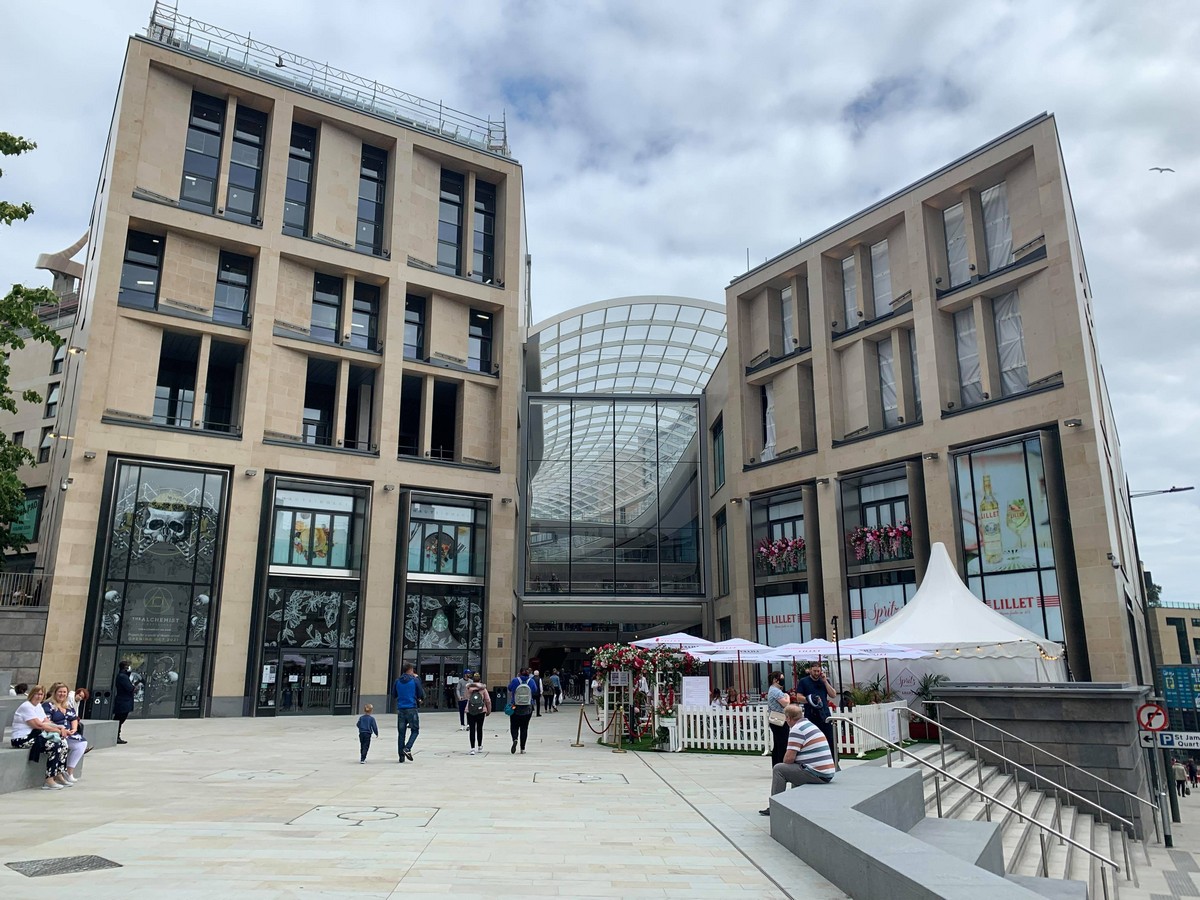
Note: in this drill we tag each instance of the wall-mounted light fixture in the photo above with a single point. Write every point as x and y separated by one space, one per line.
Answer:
250 473
389 487
930 455
65 483
77 351
822 481
736 500
506 500
60 437
1073 423
89 454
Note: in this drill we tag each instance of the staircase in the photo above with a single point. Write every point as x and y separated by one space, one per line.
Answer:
1146 861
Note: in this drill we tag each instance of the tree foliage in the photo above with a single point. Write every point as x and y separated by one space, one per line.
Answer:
19 324
1153 593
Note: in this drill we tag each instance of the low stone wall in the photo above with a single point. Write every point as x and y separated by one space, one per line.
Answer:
866 832
17 773
1091 725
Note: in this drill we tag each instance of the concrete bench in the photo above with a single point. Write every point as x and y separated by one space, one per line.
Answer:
17 773
867 833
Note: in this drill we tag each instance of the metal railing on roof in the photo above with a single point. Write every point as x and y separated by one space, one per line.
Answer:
322 80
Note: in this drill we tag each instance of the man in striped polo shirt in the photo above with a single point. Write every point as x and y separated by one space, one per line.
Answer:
808 759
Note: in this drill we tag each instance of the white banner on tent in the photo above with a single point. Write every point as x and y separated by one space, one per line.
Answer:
695 691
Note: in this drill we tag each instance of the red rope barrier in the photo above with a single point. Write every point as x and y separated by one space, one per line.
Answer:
602 731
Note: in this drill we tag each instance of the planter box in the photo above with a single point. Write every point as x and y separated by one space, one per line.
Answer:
922 731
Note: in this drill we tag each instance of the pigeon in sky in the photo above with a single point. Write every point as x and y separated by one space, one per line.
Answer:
1160 169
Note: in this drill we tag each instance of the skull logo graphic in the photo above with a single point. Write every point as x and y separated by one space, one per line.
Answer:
166 524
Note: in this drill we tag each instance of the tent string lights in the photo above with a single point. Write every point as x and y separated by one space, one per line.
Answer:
1042 650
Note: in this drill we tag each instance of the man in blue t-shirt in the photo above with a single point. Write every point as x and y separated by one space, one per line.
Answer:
409 693
816 692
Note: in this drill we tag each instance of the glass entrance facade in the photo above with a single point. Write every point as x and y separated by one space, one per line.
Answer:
156 595
310 609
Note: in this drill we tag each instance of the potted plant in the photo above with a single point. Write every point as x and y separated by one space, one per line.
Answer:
919 729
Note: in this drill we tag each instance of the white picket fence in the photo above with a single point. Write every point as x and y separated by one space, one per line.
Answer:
881 718
704 728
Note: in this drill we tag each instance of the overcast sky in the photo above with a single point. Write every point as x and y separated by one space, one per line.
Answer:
661 140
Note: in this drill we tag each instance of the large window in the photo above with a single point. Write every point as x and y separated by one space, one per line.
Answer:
450 223
483 266
957 262
916 372
766 406
315 530
53 395
298 193
849 294
372 189
231 305
364 322
997 230
246 164
412 389
157 597
1010 344
721 532
479 342
614 497
1009 551
888 400
881 278
414 327
966 346
876 517
877 596
60 358
140 272
175 390
782 613
447 538
777 532
326 307
787 320
46 444
202 157
718 453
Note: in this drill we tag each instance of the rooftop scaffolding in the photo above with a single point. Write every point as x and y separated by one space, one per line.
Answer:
273 64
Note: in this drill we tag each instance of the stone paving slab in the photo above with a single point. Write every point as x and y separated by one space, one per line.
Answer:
282 808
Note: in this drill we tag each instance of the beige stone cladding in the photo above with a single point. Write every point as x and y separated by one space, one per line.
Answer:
878 287
120 408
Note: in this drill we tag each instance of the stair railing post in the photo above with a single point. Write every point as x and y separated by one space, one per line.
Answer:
1042 844
1125 850
1104 881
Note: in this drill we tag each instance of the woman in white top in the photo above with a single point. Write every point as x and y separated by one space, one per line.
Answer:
716 701
31 727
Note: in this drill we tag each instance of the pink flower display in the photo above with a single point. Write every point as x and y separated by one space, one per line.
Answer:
882 544
783 554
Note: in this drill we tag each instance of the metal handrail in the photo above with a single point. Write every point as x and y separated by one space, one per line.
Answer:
1058 759
1038 775
1126 831
890 746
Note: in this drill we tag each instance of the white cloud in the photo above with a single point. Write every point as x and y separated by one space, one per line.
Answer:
661 140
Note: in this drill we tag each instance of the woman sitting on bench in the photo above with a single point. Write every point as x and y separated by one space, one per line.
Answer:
32 728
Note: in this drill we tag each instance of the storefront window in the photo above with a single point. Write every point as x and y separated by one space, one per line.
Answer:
1007 545
875 510
315 529
157 594
778 534
442 538
783 614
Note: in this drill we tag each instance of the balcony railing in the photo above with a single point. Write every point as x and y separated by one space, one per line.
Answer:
27 590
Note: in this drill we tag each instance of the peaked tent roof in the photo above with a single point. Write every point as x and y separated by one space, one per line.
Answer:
944 615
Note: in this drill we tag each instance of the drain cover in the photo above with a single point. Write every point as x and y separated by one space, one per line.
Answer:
581 778
63 865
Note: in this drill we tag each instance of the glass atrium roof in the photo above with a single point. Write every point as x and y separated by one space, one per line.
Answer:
631 345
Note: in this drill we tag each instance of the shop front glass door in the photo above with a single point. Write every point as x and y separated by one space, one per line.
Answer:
155 676
306 682
439 674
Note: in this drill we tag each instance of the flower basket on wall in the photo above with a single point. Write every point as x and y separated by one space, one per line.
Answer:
886 543
781 555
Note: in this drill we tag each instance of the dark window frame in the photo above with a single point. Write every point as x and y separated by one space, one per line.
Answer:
483 250
206 131
231 267
302 156
718 453
481 326
414 324
246 143
326 333
452 200
372 178
364 317
142 252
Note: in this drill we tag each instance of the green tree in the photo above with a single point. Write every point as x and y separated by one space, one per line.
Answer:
19 323
1153 593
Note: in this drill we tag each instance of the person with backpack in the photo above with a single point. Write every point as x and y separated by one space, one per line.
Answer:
478 705
523 692
409 693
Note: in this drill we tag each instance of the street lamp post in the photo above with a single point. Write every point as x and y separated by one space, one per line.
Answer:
1155 679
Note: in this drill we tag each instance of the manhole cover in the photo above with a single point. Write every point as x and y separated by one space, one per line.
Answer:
63 865
580 778
259 775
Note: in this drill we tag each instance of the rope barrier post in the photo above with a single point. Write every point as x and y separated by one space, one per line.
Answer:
620 728
579 731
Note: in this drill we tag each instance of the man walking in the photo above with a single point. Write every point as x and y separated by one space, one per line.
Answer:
808 759
409 695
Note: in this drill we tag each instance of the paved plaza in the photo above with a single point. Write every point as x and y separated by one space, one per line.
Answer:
252 808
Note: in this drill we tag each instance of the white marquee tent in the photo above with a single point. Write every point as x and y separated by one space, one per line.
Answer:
968 639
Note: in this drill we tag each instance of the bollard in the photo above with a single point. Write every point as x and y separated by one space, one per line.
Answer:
620 728
579 731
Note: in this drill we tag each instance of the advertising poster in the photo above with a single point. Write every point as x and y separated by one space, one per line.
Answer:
783 619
